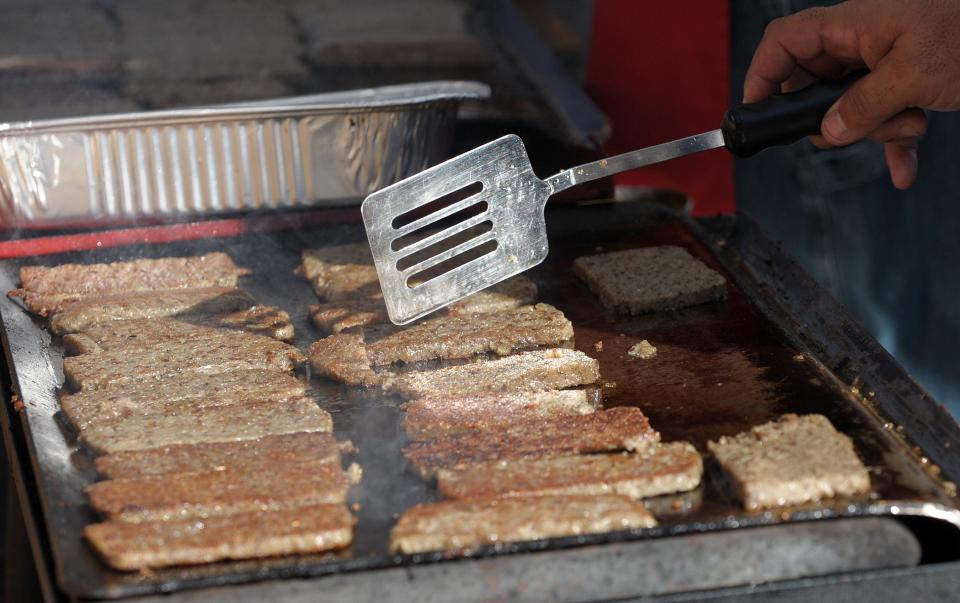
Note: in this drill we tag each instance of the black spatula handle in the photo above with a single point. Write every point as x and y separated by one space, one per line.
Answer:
782 119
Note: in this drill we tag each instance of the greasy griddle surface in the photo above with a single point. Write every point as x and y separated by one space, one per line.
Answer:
719 369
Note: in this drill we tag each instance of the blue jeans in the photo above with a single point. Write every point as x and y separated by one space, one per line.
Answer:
892 258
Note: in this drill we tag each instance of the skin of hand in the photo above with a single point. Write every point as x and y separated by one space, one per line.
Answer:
912 48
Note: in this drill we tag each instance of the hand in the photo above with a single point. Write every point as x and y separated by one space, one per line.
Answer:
912 48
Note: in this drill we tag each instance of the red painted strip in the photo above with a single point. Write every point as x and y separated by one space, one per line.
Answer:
153 235
661 71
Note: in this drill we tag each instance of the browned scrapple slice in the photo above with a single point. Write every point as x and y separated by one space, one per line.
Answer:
341 272
92 312
249 456
538 370
170 359
511 293
335 317
190 425
137 334
463 336
435 416
47 288
675 467
649 279
443 338
316 262
201 495
602 431
195 391
134 546
343 358
463 525
210 270
259 320
793 460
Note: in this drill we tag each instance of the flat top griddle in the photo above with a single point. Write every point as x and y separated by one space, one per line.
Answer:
719 369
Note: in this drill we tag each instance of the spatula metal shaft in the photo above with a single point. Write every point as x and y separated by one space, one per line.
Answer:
635 159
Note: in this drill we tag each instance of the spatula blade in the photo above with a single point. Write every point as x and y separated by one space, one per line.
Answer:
456 228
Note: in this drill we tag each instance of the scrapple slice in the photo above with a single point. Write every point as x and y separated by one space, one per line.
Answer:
258 320
458 526
135 335
603 431
134 546
669 468
189 390
341 272
49 287
335 317
434 416
449 338
343 358
246 456
200 495
264 454
511 293
92 312
649 279
793 460
170 359
539 370
316 262
201 425
211 270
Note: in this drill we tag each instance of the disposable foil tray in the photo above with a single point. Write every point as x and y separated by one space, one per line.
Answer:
322 150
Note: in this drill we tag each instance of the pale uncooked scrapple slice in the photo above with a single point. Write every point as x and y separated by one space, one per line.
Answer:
189 425
539 370
463 525
649 279
200 495
249 456
133 546
91 312
433 416
793 460
669 468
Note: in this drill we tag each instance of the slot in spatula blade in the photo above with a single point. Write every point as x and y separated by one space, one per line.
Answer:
456 228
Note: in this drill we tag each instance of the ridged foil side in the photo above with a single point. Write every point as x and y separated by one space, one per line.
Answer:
227 164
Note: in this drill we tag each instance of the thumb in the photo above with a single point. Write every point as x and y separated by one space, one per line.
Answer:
868 103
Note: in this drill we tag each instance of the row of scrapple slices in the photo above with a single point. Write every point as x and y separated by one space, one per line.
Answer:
521 456
213 448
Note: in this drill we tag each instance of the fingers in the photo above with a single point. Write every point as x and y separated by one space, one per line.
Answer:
902 136
800 38
902 162
908 124
869 103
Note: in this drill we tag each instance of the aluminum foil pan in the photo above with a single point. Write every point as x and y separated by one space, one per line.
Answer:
321 150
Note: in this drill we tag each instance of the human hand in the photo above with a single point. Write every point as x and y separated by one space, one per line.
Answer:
912 48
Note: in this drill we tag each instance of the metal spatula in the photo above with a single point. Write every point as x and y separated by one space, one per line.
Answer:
478 219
